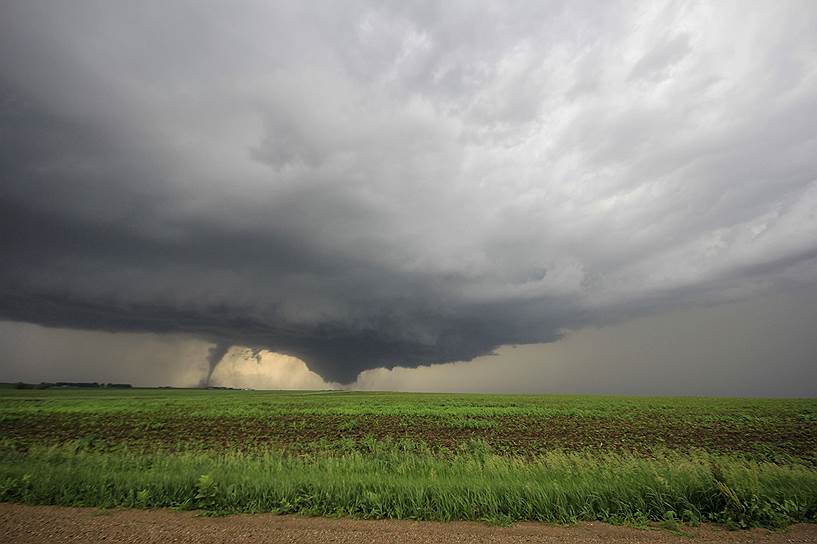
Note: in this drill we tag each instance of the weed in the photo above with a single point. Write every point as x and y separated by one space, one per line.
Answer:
207 492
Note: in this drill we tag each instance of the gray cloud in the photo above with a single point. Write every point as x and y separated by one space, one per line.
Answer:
368 185
663 57
761 346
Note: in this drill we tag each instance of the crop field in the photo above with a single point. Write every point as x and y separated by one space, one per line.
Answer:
498 458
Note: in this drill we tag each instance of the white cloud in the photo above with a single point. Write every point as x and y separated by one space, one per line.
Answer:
242 368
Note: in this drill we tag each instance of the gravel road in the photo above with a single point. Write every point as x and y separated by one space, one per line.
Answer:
50 524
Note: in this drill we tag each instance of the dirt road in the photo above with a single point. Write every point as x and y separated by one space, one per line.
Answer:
49 524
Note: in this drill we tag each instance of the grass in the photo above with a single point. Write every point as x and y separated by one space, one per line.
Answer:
393 483
435 457
209 403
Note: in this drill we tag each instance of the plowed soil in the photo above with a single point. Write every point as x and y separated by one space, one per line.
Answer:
520 435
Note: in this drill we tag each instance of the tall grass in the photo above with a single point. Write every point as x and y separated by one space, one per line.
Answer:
390 482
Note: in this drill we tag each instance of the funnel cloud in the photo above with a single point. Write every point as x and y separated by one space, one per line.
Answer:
214 356
375 185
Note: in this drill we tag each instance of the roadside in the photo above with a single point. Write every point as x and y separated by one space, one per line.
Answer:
23 524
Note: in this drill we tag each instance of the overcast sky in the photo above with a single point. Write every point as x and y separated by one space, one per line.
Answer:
289 194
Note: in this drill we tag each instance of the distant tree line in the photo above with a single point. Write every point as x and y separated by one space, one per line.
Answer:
66 385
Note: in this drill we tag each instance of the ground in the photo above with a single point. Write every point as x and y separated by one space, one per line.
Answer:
494 459
49 524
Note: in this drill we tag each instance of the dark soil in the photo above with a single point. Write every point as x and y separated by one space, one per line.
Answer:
517 435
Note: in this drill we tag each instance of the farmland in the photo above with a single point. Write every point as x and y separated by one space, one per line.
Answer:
500 458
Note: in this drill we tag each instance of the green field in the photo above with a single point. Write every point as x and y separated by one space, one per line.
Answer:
500 458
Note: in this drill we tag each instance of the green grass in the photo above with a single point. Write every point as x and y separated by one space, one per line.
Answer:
393 483
740 462
208 403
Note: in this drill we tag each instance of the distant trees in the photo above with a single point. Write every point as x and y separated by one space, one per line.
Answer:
67 385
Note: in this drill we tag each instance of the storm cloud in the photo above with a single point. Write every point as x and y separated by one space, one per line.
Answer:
367 185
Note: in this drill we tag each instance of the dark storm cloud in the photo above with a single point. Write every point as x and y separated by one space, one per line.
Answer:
368 185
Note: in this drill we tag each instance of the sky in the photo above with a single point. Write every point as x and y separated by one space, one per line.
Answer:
490 196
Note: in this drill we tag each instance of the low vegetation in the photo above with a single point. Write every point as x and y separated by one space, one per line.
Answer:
740 462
